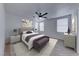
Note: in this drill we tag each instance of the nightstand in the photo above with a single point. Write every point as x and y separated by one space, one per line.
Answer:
15 38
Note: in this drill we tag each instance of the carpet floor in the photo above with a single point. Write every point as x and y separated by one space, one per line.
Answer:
20 49
61 50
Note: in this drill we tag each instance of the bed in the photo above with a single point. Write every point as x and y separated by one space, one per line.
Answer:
32 39
21 48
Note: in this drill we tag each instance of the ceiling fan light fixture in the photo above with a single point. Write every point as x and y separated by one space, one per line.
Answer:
40 14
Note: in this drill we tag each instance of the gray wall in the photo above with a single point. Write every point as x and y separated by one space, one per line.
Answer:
12 22
62 12
50 25
77 30
54 10
2 29
51 28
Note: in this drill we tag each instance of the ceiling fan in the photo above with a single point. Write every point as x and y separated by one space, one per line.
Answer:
41 15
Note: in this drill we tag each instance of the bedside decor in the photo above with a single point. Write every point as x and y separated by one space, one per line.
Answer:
35 30
15 31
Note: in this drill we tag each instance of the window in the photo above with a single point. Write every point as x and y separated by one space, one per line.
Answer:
41 26
62 25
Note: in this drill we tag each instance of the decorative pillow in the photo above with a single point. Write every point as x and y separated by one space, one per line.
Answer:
28 32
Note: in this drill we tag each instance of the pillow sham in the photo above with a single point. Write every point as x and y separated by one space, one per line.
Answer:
28 32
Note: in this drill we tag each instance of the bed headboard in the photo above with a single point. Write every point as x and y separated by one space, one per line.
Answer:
24 29
25 26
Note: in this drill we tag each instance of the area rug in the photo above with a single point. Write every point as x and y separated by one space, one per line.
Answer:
21 49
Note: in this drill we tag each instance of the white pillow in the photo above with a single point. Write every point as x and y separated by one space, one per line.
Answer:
24 32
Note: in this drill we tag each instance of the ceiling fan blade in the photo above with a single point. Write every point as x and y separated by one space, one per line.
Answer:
44 14
44 17
37 13
40 14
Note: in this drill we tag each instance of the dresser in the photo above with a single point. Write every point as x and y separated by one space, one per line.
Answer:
70 41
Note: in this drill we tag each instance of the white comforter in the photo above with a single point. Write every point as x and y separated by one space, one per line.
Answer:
30 42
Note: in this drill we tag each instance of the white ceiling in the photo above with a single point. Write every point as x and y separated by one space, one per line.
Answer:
28 9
